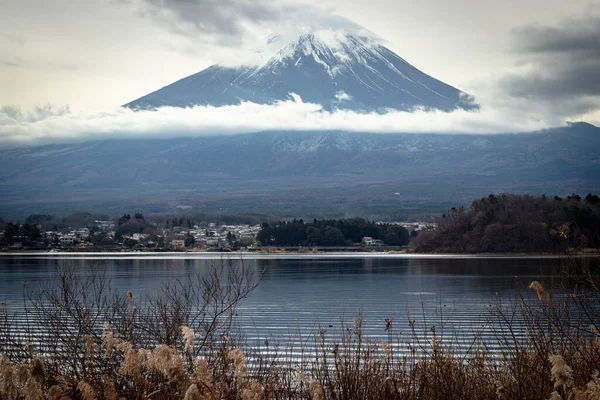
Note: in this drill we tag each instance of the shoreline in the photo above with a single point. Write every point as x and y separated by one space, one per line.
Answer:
251 255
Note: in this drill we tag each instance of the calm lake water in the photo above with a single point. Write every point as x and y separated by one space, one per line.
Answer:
299 294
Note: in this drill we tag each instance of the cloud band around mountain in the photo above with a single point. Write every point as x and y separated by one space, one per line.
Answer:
48 125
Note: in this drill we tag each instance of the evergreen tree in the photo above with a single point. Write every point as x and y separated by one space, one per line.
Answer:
189 240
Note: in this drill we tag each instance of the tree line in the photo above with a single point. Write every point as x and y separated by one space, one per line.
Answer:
26 233
127 225
330 233
516 223
58 223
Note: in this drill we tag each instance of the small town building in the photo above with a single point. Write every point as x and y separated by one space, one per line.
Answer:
369 241
178 243
67 240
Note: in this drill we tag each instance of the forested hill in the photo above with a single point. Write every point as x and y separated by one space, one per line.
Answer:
330 233
516 223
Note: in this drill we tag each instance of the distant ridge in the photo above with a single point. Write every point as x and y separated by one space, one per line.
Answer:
333 69
297 173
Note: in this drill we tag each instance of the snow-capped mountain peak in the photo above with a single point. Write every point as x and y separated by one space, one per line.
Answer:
335 51
323 67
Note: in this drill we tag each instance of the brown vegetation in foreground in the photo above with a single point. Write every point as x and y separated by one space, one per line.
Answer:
181 343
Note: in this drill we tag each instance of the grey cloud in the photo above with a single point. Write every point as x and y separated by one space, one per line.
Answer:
218 18
9 63
234 23
566 79
12 114
238 32
573 35
563 61
20 40
18 62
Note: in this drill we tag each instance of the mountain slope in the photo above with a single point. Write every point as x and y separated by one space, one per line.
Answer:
336 71
297 173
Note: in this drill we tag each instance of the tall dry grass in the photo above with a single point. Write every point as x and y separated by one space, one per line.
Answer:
183 344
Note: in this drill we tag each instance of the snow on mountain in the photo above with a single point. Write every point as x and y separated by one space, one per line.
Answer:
334 69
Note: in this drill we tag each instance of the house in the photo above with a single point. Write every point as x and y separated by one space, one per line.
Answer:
67 240
178 243
105 225
81 233
369 241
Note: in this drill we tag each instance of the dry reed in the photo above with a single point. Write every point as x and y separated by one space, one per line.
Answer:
558 358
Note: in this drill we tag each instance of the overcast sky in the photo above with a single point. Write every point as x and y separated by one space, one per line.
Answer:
98 54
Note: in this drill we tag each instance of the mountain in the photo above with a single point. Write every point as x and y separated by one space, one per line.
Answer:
297 173
332 69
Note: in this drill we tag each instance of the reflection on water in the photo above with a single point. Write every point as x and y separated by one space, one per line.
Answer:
300 294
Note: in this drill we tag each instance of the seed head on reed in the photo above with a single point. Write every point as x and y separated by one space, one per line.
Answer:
8 387
37 368
89 346
33 390
123 345
535 285
253 392
192 393
203 372
108 389
130 365
239 361
166 360
389 381
29 348
594 330
316 390
562 374
23 374
176 371
555 396
143 358
108 339
188 336
87 391
386 348
592 389
500 390
160 358
56 393
300 374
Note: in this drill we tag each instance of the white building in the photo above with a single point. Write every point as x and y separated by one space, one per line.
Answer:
369 241
178 243
67 240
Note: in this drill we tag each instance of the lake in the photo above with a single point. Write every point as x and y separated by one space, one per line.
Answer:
301 293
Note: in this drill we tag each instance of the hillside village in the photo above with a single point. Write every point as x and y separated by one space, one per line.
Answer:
106 239
139 235
136 233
